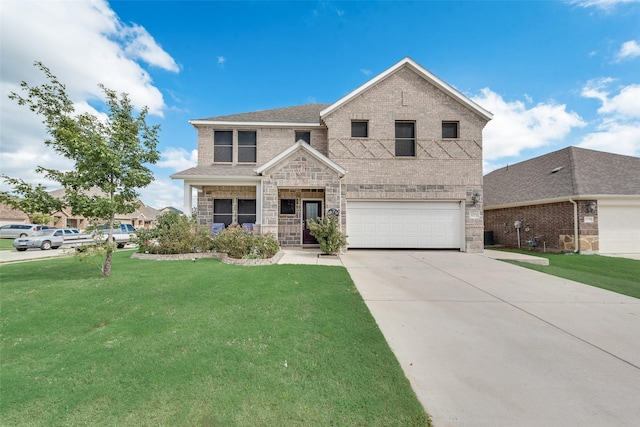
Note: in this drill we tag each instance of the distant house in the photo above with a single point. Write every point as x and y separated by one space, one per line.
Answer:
567 193
8 215
143 217
398 159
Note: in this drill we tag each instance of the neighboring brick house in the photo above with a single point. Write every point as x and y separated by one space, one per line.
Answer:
399 159
593 194
8 215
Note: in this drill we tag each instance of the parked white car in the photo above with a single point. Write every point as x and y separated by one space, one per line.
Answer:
52 239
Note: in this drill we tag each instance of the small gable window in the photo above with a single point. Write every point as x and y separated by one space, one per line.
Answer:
303 135
359 129
405 139
287 206
450 129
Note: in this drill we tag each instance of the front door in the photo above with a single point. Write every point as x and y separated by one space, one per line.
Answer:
311 209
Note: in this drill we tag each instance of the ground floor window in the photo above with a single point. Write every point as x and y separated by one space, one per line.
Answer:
246 211
223 211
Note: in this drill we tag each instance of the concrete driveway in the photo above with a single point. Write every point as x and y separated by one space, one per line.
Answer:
486 343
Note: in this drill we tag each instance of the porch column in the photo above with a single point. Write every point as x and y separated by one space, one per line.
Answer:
187 199
259 196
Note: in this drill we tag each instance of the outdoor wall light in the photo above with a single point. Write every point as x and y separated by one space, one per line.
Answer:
592 206
475 199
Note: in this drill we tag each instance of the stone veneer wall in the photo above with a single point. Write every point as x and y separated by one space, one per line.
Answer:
551 223
290 226
207 194
301 171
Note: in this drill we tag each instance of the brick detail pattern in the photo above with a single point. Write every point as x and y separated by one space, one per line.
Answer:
551 224
442 169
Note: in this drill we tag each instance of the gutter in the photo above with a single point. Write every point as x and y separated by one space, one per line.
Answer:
575 226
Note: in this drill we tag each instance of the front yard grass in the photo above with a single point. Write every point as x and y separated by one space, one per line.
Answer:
621 275
186 343
6 245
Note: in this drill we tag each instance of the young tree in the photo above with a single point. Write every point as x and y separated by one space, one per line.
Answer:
109 155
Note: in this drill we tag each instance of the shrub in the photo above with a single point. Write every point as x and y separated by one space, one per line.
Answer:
327 233
238 242
174 234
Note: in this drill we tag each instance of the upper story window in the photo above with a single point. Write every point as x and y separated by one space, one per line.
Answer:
223 146
405 139
246 146
360 129
303 135
450 129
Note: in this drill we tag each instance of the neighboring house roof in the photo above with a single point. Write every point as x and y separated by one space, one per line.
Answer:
9 214
302 146
570 172
308 114
424 73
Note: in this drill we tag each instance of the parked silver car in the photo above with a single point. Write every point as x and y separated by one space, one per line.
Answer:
44 239
11 231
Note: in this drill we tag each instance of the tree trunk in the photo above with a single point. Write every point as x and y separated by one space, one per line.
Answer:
106 270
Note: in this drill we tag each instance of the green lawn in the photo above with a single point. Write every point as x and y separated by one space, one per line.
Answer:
185 343
6 245
620 275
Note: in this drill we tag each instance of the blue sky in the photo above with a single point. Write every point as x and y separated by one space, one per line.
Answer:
554 73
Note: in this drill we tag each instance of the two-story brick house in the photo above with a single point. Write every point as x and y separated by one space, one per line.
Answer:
399 159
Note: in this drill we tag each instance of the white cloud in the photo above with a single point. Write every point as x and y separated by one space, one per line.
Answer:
178 159
163 192
365 71
615 137
221 60
602 4
83 43
515 127
618 128
630 49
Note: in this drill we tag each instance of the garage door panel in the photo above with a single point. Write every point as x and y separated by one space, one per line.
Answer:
619 228
435 225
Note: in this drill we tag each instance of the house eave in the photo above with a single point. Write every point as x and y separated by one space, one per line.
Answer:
255 124
627 197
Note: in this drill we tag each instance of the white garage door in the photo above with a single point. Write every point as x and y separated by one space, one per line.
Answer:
429 225
619 227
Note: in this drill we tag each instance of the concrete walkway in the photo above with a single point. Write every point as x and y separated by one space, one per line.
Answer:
487 343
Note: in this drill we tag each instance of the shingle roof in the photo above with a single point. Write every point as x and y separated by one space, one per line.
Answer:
308 113
578 172
212 171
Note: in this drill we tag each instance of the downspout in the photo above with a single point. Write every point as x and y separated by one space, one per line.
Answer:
575 226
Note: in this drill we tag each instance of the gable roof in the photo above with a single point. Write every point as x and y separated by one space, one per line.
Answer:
301 115
302 146
424 73
570 172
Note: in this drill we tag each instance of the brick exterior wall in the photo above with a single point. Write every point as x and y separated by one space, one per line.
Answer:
270 142
551 224
443 169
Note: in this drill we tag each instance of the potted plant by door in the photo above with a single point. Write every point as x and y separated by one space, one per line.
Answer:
327 232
